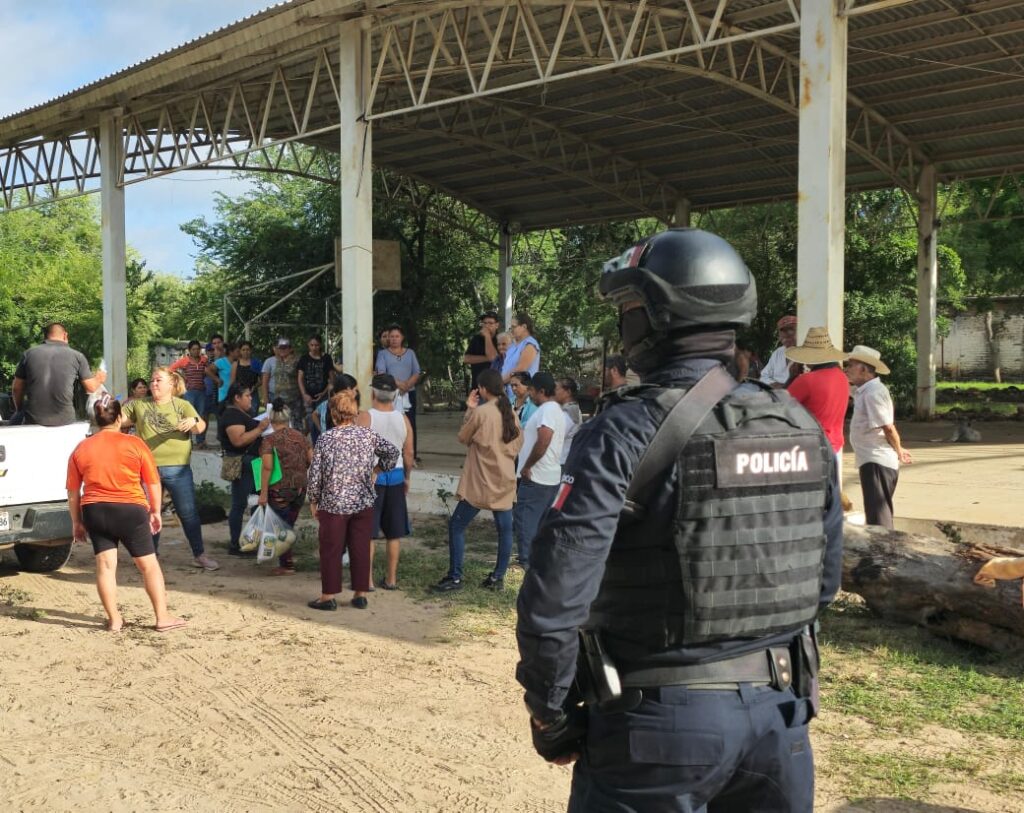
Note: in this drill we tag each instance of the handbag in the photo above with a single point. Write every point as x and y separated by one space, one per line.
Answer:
230 467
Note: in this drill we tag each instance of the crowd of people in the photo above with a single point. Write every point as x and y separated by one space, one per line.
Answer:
303 414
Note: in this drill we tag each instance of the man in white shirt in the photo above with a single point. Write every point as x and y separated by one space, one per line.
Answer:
876 443
776 372
540 469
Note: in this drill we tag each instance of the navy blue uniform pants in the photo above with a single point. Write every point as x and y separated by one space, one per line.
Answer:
699 751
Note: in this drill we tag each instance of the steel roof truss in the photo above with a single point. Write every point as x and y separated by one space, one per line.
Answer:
157 140
611 33
982 200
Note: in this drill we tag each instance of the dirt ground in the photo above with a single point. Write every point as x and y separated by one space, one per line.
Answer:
260 704
957 482
263 704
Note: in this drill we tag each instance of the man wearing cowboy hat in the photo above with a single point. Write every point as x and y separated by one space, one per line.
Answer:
776 372
823 390
873 435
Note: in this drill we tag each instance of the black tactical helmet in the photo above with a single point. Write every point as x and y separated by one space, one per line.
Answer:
689 281
686 278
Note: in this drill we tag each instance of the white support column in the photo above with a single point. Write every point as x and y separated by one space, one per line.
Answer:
682 215
504 276
927 289
115 289
356 165
822 173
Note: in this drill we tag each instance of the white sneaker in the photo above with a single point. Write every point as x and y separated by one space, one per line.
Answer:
205 562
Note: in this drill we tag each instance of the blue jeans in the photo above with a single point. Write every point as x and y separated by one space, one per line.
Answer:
177 481
532 501
461 517
198 400
241 489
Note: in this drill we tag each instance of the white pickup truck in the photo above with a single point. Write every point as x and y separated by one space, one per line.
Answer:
34 518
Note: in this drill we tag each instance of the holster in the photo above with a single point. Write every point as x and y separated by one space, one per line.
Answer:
806 661
597 677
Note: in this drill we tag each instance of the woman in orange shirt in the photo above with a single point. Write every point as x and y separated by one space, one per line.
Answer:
113 507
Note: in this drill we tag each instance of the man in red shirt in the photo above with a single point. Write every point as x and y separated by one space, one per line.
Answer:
824 389
192 368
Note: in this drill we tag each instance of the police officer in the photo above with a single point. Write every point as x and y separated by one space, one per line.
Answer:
690 604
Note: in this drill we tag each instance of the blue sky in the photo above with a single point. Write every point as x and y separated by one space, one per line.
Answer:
49 47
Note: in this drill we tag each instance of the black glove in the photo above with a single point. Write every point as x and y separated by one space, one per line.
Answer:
563 737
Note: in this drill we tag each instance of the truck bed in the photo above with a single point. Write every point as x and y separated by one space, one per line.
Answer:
34 462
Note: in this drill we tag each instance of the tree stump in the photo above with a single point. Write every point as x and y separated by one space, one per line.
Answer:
928 581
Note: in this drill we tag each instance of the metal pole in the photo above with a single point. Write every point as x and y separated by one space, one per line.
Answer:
115 284
927 289
682 216
504 275
821 192
225 317
356 165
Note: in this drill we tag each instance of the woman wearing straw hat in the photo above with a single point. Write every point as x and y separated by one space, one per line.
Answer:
873 435
823 390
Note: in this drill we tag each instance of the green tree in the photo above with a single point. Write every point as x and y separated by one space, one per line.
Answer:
51 270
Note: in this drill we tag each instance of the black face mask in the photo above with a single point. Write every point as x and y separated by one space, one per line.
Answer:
634 327
639 341
647 350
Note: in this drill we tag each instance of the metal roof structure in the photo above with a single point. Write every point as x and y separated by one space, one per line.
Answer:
546 113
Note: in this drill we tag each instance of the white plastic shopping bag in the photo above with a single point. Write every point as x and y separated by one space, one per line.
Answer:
267 534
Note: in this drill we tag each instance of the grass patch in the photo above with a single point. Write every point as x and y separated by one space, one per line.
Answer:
901 774
472 611
1001 410
1006 782
984 386
306 549
898 775
209 494
901 678
13 596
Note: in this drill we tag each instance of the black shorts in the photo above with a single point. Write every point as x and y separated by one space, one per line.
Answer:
111 522
390 515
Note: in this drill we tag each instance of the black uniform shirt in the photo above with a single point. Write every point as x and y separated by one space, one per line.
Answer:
569 552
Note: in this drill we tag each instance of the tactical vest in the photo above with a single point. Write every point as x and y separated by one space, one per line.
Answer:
743 554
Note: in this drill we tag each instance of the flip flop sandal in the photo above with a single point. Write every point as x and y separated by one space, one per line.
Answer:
386 586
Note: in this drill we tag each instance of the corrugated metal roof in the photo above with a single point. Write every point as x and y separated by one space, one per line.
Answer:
949 79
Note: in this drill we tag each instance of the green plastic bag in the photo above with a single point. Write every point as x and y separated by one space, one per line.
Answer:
257 471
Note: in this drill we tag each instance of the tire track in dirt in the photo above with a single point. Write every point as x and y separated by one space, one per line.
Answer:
354 781
231 730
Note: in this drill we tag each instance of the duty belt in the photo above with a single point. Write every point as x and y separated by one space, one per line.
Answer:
765 667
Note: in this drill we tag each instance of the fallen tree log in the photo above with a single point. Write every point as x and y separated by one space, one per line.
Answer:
929 581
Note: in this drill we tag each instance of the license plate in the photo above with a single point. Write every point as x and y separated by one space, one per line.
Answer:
5 521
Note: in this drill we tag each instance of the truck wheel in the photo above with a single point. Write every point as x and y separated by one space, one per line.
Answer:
42 559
